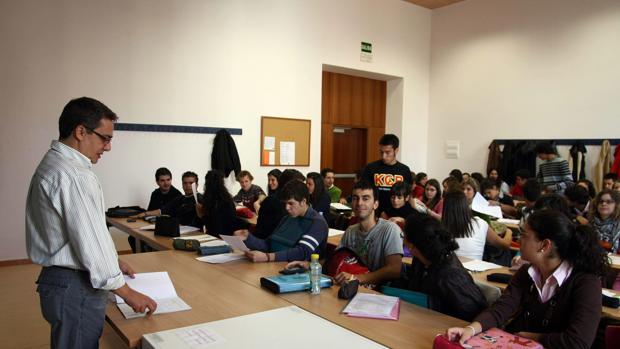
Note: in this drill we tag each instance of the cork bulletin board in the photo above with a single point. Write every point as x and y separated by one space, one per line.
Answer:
285 141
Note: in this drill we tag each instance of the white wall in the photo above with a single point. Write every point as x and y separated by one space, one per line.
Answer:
204 63
513 69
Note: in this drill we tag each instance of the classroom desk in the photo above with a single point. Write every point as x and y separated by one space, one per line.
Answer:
212 294
160 243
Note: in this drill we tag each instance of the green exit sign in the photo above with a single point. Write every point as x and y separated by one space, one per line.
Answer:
366 47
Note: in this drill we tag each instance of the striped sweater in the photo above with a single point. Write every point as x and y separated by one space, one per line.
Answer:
554 175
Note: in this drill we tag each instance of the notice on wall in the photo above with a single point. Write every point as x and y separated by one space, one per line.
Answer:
287 153
269 143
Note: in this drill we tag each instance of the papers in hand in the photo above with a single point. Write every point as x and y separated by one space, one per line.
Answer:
235 242
157 286
195 191
373 306
480 204
334 232
183 229
476 265
222 258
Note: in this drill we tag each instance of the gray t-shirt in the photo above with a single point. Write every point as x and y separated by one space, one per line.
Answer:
384 239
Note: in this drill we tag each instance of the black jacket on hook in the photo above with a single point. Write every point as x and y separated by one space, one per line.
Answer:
225 156
579 170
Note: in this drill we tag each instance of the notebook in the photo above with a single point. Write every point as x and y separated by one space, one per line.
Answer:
374 306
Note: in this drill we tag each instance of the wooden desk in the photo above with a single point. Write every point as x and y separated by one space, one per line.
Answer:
416 327
212 294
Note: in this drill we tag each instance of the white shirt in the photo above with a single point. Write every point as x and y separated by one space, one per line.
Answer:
473 246
65 218
555 280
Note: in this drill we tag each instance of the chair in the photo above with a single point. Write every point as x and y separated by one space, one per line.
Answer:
612 337
491 293
417 298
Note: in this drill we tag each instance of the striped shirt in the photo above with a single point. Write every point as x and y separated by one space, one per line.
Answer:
554 175
65 218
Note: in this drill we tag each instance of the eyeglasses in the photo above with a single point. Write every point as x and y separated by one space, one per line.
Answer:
608 202
106 139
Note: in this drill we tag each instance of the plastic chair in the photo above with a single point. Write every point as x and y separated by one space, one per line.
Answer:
491 293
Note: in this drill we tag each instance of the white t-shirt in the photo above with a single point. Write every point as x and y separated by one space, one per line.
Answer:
473 246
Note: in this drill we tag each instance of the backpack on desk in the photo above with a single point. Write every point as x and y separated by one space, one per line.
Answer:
124 212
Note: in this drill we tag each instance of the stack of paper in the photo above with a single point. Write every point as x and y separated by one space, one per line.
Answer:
222 258
480 204
373 306
183 229
159 287
476 265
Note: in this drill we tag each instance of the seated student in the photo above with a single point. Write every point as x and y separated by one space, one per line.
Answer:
451 184
457 174
470 188
578 200
553 174
466 176
399 207
333 191
589 186
608 180
605 219
298 235
420 183
319 199
490 191
477 176
183 207
161 196
378 243
218 212
272 185
504 189
556 300
249 193
436 271
432 199
520 177
471 233
531 193
272 209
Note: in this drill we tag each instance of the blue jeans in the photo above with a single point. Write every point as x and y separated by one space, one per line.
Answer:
73 308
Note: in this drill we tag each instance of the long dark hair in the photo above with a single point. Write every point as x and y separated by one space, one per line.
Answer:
319 187
435 183
275 173
216 195
577 244
429 237
457 216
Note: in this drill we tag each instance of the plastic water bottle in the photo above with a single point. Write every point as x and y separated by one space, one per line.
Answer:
315 274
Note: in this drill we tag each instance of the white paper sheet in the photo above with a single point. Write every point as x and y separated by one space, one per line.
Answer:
269 143
509 221
480 204
166 305
476 265
195 191
272 158
287 153
614 258
334 232
339 207
156 285
221 258
371 305
235 242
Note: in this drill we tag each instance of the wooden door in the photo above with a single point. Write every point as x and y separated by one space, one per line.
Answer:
349 153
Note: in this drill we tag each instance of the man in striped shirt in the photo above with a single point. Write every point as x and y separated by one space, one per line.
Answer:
553 174
66 230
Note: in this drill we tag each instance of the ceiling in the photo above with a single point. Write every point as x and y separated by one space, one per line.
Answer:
433 4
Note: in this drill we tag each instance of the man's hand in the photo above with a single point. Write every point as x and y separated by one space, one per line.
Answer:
298 264
342 278
136 300
126 269
256 256
242 233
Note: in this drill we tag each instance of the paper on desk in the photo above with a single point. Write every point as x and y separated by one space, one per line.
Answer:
200 238
476 265
480 204
156 285
165 305
235 242
334 232
183 229
373 305
221 258
339 207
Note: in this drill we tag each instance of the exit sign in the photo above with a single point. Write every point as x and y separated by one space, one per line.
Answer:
366 52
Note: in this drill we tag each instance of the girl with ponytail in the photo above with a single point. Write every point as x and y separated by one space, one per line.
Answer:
437 272
556 300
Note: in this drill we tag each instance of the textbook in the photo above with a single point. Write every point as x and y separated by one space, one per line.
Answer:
291 283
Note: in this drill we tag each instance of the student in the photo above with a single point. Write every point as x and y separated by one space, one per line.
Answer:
165 192
504 189
531 193
457 174
605 219
399 209
319 199
490 191
385 172
578 200
553 174
378 243
608 180
555 301
477 176
432 199
520 177
218 212
437 272
298 235
249 193
451 184
272 185
466 176
616 186
272 208
589 186
333 191
470 188
471 233
183 207
420 183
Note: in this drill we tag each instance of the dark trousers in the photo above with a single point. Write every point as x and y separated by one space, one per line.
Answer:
73 308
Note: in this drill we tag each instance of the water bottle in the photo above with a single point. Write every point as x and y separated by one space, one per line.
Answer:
315 274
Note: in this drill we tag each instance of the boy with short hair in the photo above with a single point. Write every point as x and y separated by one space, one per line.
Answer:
165 192
328 178
553 174
400 208
520 177
249 194
490 190
608 180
